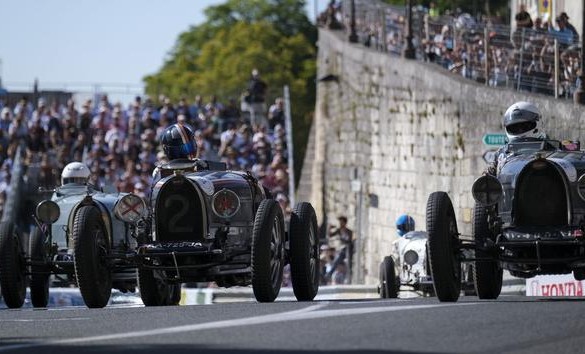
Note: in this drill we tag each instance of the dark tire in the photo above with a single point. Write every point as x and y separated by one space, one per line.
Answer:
468 283
487 276
391 284
90 244
157 292
443 247
40 274
267 251
12 266
382 278
304 252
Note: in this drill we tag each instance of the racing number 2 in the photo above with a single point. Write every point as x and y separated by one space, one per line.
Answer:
175 219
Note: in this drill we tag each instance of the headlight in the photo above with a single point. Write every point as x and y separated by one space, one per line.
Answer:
225 203
130 208
410 257
48 211
487 190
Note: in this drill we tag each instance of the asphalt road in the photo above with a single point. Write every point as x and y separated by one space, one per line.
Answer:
512 324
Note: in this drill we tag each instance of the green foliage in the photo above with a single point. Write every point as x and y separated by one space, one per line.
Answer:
217 57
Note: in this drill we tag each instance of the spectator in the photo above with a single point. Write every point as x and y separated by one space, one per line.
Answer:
255 98
563 34
523 19
565 18
276 113
346 239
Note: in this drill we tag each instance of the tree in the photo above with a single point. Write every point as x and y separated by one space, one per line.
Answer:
217 57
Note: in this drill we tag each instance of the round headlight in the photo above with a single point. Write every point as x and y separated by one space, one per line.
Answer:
48 211
487 190
130 208
410 257
225 203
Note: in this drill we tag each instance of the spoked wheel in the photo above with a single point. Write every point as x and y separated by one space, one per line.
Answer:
267 251
443 241
91 247
40 274
389 287
487 275
12 266
154 291
304 252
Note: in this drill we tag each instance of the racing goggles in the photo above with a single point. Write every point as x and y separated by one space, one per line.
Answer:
185 150
520 128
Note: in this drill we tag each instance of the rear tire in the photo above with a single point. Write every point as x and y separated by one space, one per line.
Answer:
91 245
40 274
304 252
12 266
443 247
487 275
267 251
155 291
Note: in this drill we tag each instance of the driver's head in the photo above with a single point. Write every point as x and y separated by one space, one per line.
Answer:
404 224
523 120
178 142
75 172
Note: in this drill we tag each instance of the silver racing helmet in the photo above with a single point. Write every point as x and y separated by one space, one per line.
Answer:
523 120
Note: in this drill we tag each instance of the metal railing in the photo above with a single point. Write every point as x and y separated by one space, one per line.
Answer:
534 60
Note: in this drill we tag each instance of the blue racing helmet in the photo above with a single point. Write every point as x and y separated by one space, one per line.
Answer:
178 142
404 224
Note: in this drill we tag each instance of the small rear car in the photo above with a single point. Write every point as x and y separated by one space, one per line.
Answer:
409 269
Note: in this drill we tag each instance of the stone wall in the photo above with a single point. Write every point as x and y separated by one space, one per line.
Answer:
403 129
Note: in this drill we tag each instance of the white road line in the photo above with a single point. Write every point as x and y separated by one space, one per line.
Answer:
306 313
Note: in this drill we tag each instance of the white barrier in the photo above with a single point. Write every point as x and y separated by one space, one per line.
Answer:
554 285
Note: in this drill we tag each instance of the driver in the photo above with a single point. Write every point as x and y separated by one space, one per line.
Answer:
178 143
404 225
522 121
75 173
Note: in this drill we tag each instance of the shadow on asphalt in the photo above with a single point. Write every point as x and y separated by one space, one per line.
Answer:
188 349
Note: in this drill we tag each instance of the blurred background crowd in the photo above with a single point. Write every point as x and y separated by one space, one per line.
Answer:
120 143
536 54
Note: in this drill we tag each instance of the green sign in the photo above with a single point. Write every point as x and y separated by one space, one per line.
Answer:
494 139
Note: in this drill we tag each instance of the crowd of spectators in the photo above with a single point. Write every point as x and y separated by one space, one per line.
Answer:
484 49
120 143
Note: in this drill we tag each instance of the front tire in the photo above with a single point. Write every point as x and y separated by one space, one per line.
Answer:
40 274
487 275
12 266
304 252
443 239
91 245
267 251
390 284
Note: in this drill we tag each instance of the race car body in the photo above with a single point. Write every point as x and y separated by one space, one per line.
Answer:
411 266
528 219
80 240
218 225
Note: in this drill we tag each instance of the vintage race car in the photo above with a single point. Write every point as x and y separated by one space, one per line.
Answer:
409 269
529 219
80 239
219 225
